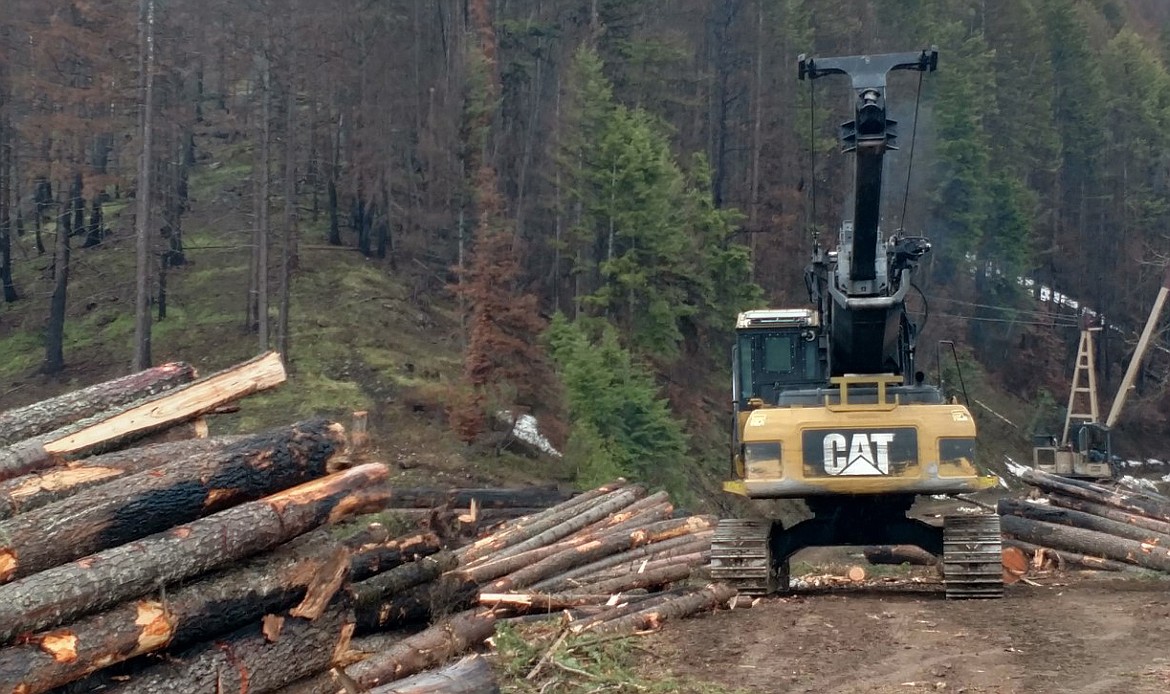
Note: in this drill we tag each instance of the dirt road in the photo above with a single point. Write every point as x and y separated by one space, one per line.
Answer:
1074 634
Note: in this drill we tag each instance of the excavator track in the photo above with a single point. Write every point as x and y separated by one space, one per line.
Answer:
740 556
972 557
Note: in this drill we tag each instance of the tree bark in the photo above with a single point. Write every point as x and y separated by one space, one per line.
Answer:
443 596
24 494
652 573
573 520
899 554
684 544
374 598
263 175
630 604
426 649
137 419
250 660
680 569
94 583
381 557
468 676
142 193
524 528
1132 502
1064 556
1110 512
48 415
541 602
709 598
1078 519
525 497
174 493
602 547
55 330
1089 542
194 613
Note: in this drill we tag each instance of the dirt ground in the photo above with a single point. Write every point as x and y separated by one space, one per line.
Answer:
1075 633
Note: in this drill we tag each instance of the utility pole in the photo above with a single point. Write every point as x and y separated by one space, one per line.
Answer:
142 194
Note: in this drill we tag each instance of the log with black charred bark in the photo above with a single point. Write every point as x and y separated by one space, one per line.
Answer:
525 497
45 416
1088 542
418 604
160 498
374 598
29 492
110 429
1078 519
197 612
378 557
468 676
425 649
899 554
1129 501
258 658
96 582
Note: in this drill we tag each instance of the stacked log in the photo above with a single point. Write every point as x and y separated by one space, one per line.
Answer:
243 563
1089 525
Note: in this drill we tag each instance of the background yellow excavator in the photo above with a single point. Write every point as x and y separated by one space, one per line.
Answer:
828 406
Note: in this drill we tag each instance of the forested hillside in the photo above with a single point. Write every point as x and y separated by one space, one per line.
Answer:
558 206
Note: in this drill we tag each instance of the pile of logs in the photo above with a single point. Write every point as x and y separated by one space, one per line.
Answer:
1088 525
131 562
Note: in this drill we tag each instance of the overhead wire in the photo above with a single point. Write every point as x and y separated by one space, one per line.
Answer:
913 142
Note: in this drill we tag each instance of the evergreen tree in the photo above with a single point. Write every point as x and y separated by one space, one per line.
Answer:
621 426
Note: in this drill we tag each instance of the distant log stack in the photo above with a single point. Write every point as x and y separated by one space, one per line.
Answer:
245 564
1089 525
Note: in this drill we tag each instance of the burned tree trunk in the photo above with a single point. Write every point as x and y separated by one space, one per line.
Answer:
899 554
194 613
180 491
48 415
109 429
29 492
259 658
380 557
61 594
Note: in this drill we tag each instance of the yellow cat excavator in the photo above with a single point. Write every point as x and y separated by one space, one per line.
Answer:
828 406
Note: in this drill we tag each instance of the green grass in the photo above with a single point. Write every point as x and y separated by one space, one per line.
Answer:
580 665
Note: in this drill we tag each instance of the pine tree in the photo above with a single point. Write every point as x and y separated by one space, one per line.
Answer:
620 423
504 366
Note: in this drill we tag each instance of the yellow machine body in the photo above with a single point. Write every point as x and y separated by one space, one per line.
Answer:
856 446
